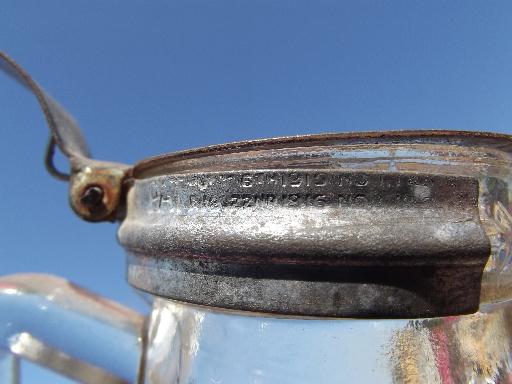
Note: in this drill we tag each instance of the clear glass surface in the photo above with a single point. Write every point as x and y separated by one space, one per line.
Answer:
189 344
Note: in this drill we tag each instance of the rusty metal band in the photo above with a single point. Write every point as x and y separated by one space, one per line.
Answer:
309 242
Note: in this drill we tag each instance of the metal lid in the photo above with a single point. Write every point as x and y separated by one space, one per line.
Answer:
382 224
177 161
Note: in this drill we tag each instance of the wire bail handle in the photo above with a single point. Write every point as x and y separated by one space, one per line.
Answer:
95 186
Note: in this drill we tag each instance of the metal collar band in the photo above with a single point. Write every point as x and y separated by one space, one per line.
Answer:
353 225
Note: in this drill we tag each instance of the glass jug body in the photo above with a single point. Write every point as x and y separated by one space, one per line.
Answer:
192 344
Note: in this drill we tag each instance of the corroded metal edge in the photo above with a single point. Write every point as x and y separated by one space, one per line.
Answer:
380 299
502 142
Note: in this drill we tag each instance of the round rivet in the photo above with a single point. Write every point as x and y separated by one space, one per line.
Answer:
92 196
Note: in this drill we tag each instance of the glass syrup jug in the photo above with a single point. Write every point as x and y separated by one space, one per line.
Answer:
336 258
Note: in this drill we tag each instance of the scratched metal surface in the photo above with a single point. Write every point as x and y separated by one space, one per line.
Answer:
389 227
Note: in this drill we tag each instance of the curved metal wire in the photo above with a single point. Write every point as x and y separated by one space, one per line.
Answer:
50 164
65 132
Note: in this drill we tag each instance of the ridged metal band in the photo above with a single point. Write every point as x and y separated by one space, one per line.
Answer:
309 242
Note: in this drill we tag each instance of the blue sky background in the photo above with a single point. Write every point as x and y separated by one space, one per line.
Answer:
145 78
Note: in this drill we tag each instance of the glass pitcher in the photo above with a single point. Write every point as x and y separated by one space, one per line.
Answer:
381 257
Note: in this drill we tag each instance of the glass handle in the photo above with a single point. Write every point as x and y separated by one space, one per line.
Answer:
55 324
